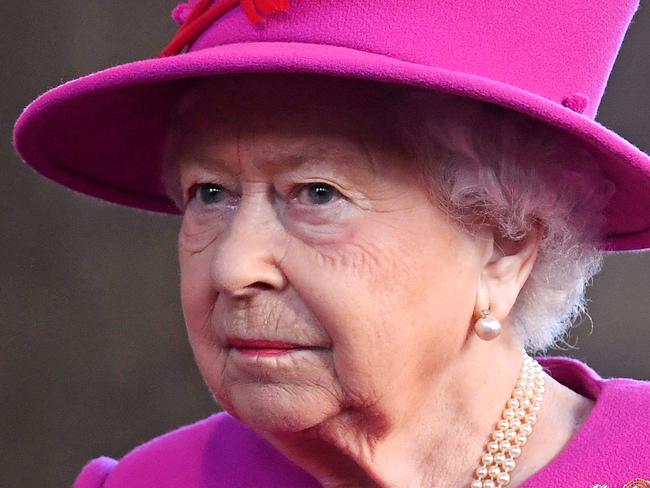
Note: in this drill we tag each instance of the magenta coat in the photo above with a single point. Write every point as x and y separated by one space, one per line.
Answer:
612 447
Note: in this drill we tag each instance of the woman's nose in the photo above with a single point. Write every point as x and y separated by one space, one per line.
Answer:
248 255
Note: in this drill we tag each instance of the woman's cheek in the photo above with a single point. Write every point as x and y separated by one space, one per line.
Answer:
198 231
200 228
317 226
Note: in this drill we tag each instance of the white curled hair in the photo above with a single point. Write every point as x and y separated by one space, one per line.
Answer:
486 165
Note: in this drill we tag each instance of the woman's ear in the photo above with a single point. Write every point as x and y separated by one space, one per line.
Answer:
506 268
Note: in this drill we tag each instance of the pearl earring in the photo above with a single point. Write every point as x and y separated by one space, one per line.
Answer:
487 328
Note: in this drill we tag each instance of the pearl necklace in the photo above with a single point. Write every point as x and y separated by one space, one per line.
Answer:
513 429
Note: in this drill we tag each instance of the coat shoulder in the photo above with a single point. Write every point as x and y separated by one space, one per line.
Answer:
609 448
214 452
629 407
614 449
95 473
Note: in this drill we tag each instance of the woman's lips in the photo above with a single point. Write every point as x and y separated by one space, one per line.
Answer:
264 348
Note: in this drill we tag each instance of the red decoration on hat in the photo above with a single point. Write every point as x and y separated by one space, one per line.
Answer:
203 14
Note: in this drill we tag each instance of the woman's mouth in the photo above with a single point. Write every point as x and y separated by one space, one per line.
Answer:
264 347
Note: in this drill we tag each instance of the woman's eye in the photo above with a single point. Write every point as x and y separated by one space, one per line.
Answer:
317 193
210 193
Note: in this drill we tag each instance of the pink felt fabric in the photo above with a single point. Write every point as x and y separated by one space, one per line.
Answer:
611 448
102 134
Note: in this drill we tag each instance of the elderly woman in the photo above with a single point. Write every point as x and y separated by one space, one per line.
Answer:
367 260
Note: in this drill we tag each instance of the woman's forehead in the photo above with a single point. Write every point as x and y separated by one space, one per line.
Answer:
281 146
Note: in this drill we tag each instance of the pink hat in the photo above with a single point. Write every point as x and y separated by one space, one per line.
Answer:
103 134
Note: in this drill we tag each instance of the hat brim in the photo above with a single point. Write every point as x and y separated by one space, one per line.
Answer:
102 134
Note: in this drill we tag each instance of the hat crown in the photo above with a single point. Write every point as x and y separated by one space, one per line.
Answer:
563 51
105 134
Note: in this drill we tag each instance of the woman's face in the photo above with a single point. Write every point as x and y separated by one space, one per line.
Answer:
309 227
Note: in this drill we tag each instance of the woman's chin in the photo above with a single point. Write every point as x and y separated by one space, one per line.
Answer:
280 407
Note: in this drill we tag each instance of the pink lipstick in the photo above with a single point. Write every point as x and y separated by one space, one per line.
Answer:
263 347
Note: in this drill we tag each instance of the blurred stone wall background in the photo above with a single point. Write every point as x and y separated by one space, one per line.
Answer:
93 354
